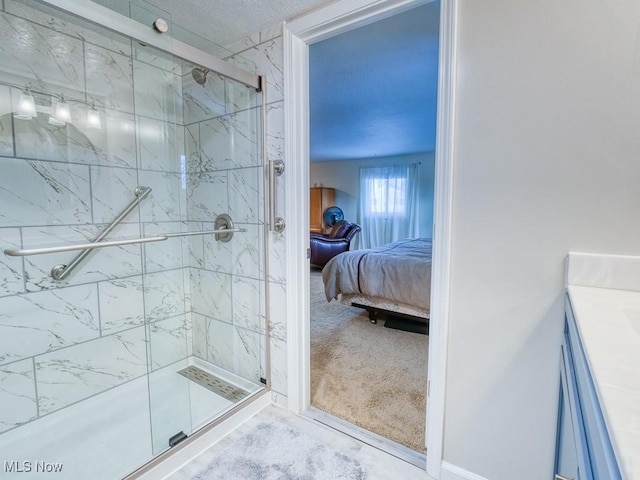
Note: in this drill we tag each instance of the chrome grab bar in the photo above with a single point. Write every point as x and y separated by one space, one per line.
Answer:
276 169
81 246
12 252
59 272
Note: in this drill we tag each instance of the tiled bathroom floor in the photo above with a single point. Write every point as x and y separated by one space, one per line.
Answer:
278 444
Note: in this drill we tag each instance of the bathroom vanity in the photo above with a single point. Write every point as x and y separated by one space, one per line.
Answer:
599 411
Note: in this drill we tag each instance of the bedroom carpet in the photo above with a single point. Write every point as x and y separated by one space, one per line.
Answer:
366 374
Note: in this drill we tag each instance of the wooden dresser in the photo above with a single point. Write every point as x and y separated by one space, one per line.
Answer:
321 198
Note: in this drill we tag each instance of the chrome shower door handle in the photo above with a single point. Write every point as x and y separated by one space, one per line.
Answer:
276 169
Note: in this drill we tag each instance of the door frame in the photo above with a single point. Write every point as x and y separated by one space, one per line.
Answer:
325 22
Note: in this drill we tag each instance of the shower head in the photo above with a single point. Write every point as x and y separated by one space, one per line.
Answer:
199 75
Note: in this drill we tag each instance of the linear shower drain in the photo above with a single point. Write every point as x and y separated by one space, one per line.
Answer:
213 383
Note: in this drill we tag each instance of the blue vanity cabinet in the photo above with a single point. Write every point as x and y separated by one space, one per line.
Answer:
583 446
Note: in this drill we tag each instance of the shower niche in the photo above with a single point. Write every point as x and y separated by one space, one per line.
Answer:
161 329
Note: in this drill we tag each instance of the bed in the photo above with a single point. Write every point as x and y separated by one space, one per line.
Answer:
394 278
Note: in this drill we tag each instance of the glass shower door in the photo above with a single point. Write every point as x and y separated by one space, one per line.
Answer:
88 117
139 344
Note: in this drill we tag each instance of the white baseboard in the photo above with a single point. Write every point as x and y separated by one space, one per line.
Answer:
451 472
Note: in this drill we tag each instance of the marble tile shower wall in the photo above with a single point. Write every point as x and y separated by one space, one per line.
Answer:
223 141
126 310
263 52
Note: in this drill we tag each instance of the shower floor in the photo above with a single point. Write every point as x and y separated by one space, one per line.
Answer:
110 435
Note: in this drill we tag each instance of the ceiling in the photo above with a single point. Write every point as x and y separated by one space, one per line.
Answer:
224 22
373 89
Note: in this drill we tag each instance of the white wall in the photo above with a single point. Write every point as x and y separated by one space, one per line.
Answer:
547 160
344 176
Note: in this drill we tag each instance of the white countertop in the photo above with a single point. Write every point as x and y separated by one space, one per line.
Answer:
608 321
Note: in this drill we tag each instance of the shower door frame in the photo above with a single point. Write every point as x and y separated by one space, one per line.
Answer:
112 20
173 458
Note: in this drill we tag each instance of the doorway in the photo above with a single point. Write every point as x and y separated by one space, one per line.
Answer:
298 35
373 95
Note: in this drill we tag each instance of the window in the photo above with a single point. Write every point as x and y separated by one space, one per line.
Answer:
387 196
388 204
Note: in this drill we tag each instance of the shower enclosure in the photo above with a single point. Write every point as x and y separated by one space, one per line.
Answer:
132 294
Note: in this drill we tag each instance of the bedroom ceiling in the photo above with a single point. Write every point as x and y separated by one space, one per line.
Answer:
373 90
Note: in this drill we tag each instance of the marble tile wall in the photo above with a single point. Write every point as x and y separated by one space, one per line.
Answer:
125 311
262 53
135 309
223 141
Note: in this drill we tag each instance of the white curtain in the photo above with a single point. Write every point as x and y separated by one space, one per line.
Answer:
388 204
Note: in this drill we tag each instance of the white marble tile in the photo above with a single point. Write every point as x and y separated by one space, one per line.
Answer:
121 304
155 57
245 252
112 189
275 131
240 96
189 327
73 26
114 144
109 79
244 205
203 102
234 349
169 254
76 373
268 60
243 44
40 193
211 294
192 147
277 258
246 296
45 59
621 272
36 323
218 256
156 92
17 394
271 33
6 127
168 341
279 365
246 143
167 201
102 264
78 438
161 145
216 144
207 196
278 311
200 328
11 272
164 295
196 246
231 141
